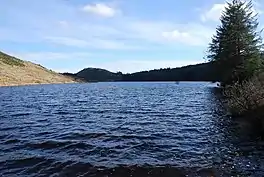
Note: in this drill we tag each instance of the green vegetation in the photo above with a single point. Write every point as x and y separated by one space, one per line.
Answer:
199 72
98 75
247 97
10 60
236 51
236 47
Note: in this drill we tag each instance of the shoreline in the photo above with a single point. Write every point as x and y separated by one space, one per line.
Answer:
31 84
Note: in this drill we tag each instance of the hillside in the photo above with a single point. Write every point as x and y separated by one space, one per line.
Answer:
199 72
14 71
98 75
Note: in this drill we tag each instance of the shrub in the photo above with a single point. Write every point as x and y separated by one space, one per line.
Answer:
247 97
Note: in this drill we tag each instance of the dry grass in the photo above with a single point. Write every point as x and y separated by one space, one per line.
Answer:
18 72
9 60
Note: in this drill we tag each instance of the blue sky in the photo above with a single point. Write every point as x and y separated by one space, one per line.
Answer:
119 35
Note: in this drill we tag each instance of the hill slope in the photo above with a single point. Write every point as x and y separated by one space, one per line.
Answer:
14 71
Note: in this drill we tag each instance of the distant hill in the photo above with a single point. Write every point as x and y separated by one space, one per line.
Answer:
14 71
98 75
199 72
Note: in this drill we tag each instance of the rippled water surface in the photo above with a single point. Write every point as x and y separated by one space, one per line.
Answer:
123 129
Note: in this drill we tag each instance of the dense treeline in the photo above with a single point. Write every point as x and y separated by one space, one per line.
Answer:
199 72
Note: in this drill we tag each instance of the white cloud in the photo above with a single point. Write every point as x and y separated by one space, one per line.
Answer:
183 37
191 34
63 23
68 41
168 33
67 26
100 9
91 43
214 13
109 44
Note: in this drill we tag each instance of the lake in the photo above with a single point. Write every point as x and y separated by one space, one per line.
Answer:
123 129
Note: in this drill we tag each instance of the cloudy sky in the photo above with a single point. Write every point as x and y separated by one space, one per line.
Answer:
119 35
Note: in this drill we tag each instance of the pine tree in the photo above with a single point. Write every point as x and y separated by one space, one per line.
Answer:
236 48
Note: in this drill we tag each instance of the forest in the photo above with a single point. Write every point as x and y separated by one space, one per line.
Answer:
199 72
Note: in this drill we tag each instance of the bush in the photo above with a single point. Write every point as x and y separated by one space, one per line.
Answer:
247 97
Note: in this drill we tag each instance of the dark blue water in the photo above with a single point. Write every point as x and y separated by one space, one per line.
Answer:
123 129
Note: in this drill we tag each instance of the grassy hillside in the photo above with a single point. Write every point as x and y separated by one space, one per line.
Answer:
9 60
14 71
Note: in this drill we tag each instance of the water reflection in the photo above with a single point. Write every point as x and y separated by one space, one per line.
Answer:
240 149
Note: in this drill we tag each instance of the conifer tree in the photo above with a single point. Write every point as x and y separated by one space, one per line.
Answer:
236 47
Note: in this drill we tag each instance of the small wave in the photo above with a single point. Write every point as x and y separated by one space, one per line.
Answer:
20 114
21 163
78 145
47 144
125 137
58 145
11 141
5 136
190 130
7 128
62 113
82 135
36 166
44 133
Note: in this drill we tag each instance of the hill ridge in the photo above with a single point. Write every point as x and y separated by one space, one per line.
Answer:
14 71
